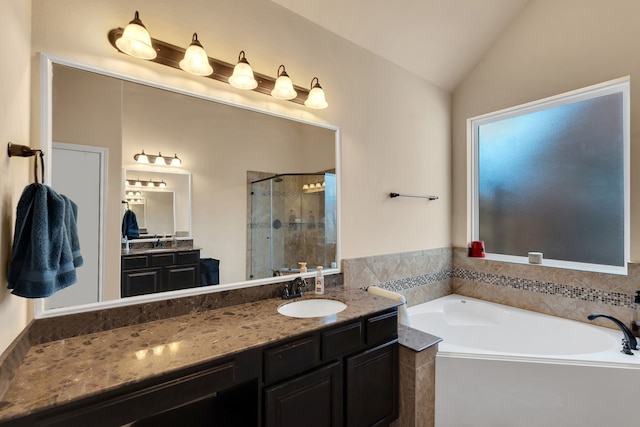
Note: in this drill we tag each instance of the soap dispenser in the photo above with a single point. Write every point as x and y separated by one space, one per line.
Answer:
635 316
319 288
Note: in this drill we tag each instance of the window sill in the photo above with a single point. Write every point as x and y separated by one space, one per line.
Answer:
580 266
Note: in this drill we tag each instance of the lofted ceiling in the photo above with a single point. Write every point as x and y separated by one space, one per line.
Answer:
439 40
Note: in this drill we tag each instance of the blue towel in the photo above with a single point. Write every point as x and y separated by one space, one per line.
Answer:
130 225
42 259
71 226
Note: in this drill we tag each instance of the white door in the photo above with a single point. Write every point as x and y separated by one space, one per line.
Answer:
85 187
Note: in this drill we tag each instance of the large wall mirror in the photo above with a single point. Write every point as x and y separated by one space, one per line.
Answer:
229 154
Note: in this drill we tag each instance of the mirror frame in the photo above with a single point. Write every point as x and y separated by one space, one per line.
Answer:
46 143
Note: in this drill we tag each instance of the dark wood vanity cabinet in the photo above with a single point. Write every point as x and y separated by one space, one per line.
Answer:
224 393
342 376
345 375
159 272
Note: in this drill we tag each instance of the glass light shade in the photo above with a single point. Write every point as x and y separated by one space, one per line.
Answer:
135 40
176 161
316 99
242 77
196 60
162 184
150 184
138 183
160 160
141 158
283 88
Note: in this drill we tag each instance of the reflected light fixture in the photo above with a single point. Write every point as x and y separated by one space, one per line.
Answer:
138 183
141 157
158 160
195 59
242 77
135 40
283 88
316 98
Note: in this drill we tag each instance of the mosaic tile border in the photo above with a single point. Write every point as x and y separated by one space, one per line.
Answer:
617 299
417 281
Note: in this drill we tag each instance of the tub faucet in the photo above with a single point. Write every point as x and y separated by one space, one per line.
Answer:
629 342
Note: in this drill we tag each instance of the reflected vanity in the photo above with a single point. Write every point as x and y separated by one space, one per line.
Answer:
223 147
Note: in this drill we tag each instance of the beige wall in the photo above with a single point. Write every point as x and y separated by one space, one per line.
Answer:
550 48
395 126
15 63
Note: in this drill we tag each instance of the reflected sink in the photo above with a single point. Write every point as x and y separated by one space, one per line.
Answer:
312 308
159 250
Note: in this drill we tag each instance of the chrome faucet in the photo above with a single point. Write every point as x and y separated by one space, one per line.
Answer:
294 288
629 342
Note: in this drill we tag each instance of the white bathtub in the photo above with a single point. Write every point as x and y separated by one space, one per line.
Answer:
500 366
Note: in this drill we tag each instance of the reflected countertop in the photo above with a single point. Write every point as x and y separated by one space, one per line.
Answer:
64 371
152 250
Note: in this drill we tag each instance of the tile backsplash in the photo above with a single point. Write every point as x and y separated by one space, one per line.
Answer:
425 275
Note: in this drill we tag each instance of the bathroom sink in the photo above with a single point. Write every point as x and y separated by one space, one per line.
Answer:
158 250
317 307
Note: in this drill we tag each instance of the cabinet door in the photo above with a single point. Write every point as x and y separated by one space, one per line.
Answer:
141 282
372 387
181 277
312 399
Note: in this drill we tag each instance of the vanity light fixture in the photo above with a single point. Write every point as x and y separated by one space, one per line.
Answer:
283 88
314 187
150 184
196 60
316 99
158 160
135 40
242 77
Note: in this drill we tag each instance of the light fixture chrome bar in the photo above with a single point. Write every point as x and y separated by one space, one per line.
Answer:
171 55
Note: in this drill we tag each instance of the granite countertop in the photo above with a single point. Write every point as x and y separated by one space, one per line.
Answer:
63 371
152 250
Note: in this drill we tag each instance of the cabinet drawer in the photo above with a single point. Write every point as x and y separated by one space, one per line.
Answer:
131 262
192 257
343 340
382 328
289 359
159 260
148 401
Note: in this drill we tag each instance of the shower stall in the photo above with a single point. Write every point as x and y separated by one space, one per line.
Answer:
292 220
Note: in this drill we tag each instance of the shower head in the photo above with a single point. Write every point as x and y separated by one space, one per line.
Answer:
278 179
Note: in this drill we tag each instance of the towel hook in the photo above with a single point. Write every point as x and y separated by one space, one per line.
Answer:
24 151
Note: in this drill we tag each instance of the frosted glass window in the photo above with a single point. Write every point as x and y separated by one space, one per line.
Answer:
551 178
